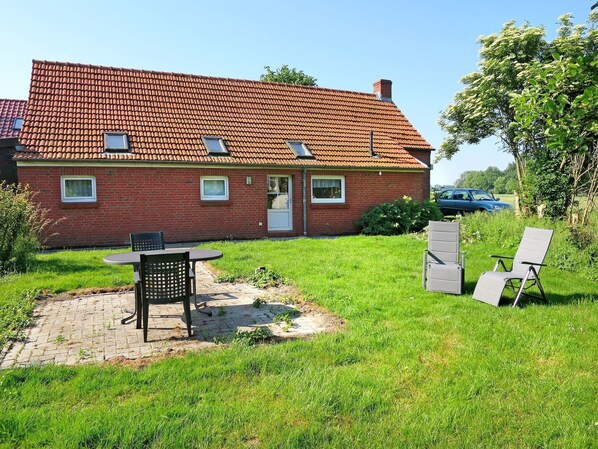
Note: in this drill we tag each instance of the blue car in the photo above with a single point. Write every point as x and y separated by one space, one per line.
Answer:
460 200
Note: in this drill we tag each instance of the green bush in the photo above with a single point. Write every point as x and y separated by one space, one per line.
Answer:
573 249
399 217
21 224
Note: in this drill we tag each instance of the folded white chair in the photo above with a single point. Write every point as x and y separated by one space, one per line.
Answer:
443 263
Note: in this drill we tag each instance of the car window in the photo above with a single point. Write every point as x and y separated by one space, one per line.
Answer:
460 195
446 195
480 195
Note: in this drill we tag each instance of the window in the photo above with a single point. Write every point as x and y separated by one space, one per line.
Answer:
80 189
215 146
446 195
480 195
299 148
461 195
214 188
328 189
115 141
17 123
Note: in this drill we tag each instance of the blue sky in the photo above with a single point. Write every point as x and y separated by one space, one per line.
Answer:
424 47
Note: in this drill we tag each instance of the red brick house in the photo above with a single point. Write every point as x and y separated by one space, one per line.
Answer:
11 121
114 151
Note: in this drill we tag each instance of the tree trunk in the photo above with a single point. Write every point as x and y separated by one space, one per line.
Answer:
522 204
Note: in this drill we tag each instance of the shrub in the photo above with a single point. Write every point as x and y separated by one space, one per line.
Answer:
399 217
21 224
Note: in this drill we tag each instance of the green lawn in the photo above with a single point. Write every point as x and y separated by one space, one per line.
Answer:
410 369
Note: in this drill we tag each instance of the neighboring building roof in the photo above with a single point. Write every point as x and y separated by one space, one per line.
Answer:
10 110
165 116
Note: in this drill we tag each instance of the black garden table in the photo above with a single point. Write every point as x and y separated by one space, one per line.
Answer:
133 258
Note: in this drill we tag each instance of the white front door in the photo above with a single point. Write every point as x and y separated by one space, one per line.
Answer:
279 203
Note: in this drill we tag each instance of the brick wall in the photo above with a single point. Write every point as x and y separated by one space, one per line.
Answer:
424 156
138 199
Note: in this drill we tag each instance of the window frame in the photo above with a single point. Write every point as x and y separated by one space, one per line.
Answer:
124 135
224 152
307 153
19 121
204 197
340 200
78 199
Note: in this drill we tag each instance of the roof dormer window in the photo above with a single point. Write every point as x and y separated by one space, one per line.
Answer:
17 123
116 142
300 149
215 145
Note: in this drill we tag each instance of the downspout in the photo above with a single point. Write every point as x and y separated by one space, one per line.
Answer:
305 201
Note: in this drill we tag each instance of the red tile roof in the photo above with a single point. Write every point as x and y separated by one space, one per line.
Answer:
9 110
166 114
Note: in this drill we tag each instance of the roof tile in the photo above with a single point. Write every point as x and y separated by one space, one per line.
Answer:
9 110
165 115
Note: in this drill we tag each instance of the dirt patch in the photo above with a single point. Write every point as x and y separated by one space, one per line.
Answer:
45 295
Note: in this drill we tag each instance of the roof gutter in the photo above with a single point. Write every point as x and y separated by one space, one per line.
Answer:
21 162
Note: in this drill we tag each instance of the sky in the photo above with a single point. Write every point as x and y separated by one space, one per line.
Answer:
424 47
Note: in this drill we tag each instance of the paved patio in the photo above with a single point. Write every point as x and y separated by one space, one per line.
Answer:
87 329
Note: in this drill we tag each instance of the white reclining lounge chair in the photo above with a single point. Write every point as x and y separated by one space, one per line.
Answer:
525 268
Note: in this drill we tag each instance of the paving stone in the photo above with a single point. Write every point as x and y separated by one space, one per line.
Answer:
87 329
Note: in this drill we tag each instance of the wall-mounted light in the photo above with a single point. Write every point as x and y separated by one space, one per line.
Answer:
248 180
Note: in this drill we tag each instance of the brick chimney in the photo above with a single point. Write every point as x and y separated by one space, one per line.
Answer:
383 90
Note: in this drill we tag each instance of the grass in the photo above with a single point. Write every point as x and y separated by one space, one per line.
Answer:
410 369
507 198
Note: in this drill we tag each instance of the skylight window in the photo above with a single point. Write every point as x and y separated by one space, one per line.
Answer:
17 123
115 141
299 148
215 145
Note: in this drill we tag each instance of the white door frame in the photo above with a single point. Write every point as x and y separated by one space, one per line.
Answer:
281 219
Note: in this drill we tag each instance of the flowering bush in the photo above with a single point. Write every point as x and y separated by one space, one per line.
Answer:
399 217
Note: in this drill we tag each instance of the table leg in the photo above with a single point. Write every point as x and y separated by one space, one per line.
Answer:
198 305
137 312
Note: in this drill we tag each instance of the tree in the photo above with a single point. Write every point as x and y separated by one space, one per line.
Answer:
288 75
561 99
507 181
487 179
539 99
483 108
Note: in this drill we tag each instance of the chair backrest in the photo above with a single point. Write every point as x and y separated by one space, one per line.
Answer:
443 242
533 248
165 277
147 241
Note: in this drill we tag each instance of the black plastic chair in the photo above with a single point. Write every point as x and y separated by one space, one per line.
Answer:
147 241
165 279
